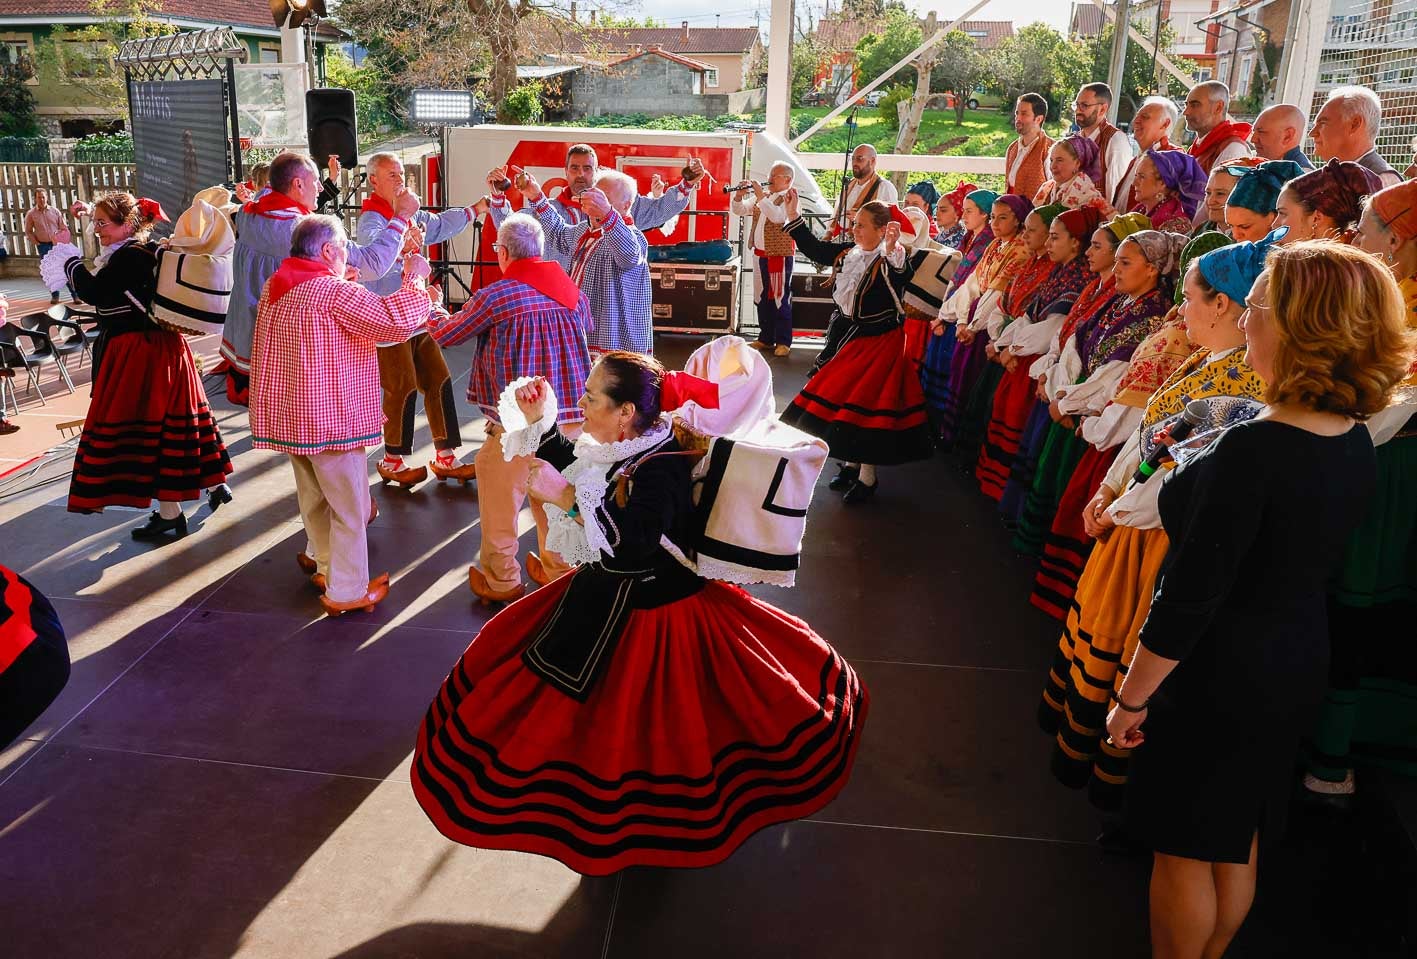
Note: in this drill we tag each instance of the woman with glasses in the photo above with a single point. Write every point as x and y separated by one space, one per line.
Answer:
149 434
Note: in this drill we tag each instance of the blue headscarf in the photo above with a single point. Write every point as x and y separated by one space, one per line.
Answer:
1233 269
984 199
927 192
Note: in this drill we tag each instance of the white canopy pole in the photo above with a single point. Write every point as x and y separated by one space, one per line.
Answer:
779 92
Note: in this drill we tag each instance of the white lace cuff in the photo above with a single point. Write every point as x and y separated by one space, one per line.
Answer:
52 268
567 538
520 437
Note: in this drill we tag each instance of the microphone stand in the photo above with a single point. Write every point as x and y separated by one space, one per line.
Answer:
846 160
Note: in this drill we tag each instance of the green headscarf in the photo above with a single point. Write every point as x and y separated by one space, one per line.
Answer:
1126 224
1047 213
984 199
1201 245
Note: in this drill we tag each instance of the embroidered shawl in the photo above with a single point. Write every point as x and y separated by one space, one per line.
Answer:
1198 378
1060 289
1095 297
1027 283
1155 360
1115 334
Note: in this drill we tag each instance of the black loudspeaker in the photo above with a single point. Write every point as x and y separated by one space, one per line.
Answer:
330 126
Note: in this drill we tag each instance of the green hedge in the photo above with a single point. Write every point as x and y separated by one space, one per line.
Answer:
104 148
24 150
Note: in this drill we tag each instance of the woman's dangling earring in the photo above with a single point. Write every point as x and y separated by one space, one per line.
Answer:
622 432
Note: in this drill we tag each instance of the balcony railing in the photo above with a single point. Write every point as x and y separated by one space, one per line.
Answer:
1369 33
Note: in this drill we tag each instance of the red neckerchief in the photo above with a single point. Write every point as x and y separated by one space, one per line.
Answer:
377 204
292 272
1224 130
273 201
586 245
546 278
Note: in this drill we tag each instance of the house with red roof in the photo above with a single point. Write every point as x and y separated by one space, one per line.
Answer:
726 53
65 106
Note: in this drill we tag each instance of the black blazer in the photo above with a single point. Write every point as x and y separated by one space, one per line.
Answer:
878 295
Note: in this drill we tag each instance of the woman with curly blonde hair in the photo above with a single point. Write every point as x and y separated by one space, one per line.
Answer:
1370 712
1233 654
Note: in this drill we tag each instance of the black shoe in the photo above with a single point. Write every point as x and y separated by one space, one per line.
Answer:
6 428
158 527
844 478
859 493
218 496
54 299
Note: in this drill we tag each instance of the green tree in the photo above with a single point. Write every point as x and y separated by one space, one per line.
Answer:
1037 59
17 116
899 33
371 96
609 21
959 68
1141 78
523 104
83 57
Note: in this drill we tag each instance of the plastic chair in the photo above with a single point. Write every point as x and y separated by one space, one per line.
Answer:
78 340
42 349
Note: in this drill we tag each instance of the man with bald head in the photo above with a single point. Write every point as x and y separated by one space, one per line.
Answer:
1347 129
1279 133
1151 128
1220 139
864 186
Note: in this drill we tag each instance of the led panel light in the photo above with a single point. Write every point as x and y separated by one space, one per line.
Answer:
432 108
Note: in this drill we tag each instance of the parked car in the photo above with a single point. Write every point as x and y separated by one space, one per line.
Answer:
814 98
874 98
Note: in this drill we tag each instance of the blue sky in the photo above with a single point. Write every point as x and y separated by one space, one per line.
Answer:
742 12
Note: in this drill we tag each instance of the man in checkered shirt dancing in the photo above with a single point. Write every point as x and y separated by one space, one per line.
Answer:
315 394
532 322
608 256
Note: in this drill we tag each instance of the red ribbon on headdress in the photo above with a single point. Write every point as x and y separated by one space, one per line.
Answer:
680 388
152 209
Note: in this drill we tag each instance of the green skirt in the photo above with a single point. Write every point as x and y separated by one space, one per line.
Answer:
1062 448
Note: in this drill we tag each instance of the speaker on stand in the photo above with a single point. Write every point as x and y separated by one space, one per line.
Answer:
330 126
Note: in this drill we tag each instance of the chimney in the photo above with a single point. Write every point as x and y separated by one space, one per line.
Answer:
684 31
592 17
573 11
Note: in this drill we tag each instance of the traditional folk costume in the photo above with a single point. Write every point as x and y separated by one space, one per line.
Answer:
1227 142
647 212
1026 166
1013 306
533 321
933 270
610 263
633 713
855 195
939 349
1028 337
866 400
34 656
1114 594
773 251
1087 184
315 396
1114 155
1124 197
1370 710
1094 300
415 365
264 229
149 433
977 306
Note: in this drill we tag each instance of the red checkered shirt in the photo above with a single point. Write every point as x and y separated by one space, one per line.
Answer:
521 332
314 366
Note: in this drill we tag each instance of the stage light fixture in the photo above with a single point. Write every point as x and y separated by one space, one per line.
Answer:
440 108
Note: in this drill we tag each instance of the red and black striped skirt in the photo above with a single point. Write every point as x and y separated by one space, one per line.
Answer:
1013 400
1067 546
717 715
149 434
866 402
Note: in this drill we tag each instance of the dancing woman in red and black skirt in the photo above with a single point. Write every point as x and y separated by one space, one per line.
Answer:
631 713
149 434
865 400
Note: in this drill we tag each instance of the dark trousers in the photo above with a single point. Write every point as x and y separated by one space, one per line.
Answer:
774 321
405 370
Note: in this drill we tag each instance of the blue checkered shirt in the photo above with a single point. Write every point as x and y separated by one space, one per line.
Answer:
521 332
616 278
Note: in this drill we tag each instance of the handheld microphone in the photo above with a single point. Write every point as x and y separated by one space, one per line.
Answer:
1196 413
737 189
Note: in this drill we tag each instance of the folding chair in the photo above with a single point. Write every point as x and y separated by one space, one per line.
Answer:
43 348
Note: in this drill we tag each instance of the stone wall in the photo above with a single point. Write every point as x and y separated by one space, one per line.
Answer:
649 84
